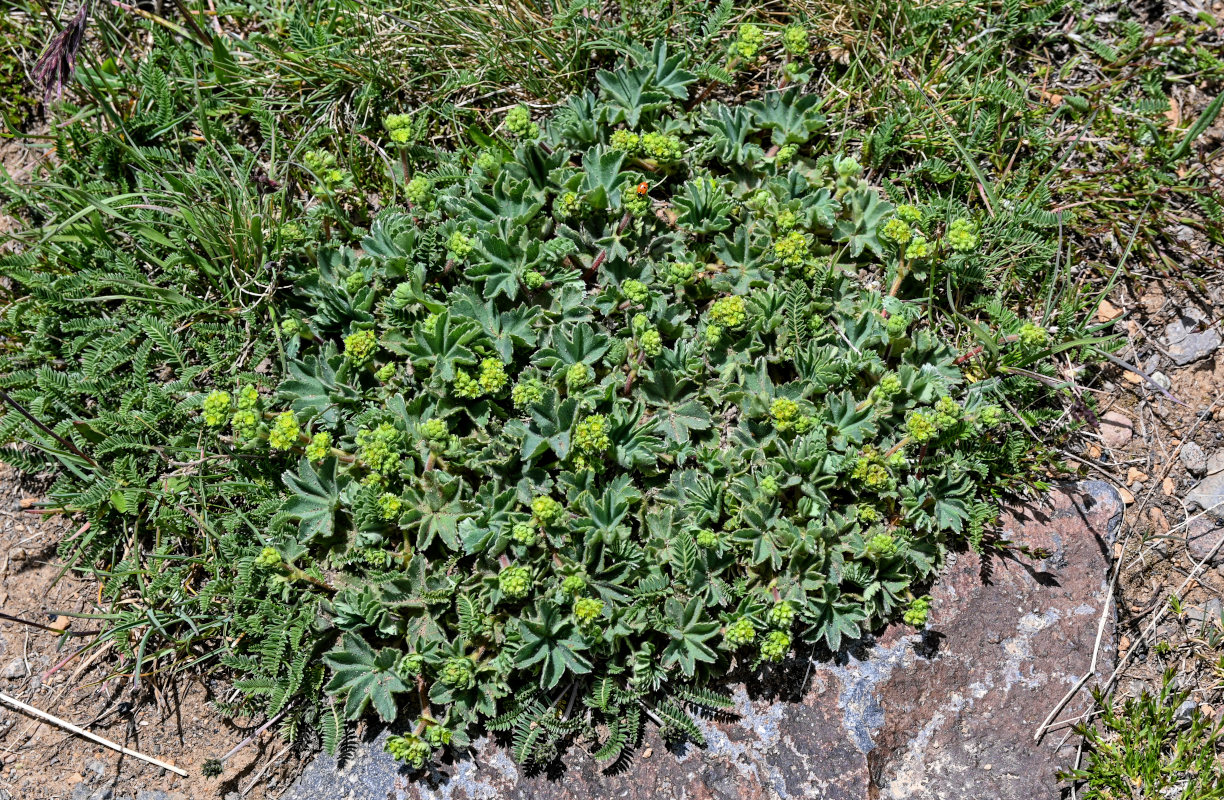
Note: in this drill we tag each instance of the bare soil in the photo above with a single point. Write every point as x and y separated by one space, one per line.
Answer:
168 717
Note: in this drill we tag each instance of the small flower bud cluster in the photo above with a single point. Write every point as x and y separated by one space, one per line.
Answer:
378 448
748 41
285 431
579 376
663 148
917 612
527 393
319 447
518 122
784 412
961 236
792 249
775 646
635 291
729 312
360 347
514 582
459 245
591 434
546 510
587 610
399 128
217 408
419 190
389 506
739 633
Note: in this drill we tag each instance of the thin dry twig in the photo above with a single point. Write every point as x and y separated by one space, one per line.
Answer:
68 726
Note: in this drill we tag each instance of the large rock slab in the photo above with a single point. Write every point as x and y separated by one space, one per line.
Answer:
949 712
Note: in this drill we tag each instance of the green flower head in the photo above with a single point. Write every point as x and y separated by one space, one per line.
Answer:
217 408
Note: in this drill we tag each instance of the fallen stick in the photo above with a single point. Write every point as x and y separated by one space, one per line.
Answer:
43 715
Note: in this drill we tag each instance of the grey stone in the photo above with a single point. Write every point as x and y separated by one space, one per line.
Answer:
1186 345
1116 429
155 794
948 712
1203 536
1194 459
81 791
105 793
96 765
1162 380
1208 495
16 668
1183 712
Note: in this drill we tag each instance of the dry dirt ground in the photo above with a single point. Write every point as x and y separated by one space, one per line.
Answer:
168 718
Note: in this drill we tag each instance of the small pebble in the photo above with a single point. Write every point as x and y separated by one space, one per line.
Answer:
1194 459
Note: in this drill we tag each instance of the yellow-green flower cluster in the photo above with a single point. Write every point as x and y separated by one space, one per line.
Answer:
418 190
524 533
651 342
568 205
386 372
920 427
680 272
748 41
527 393
514 582
319 447
459 245
947 413
707 538
909 213
775 646
625 141
888 387
784 412
518 122
285 431
870 472
412 750
786 220
546 510
360 347
216 408
245 422
587 610
792 249
378 448
918 247
268 557
1033 335
635 291
389 505
782 614
663 148
961 236
882 545
579 375
492 376
591 434
729 312
434 431
399 128
739 633
897 230
457 672
795 40
917 612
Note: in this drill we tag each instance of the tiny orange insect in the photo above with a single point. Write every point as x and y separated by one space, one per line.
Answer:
643 187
